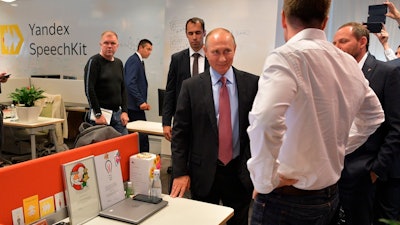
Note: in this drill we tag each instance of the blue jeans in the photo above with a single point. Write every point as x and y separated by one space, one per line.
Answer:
117 123
280 209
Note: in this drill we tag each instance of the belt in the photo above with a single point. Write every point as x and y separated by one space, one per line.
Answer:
290 190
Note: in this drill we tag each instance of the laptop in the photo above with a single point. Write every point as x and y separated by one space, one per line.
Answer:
132 211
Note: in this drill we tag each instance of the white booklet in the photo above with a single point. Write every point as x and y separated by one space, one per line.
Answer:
81 190
109 178
107 113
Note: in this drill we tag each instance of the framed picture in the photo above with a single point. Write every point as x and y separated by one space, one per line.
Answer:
81 191
109 178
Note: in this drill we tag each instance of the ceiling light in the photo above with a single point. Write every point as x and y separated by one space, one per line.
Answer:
8 0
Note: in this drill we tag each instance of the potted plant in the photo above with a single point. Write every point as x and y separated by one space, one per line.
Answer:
25 99
26 96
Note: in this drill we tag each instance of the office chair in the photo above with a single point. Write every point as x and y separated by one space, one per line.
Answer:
52 106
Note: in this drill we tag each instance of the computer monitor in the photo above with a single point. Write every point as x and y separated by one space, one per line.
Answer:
53 76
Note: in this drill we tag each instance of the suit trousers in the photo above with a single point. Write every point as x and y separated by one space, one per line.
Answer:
387 200
143 138
228 189
357 198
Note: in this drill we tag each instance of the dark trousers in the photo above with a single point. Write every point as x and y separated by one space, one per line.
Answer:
357 198
143 138
291 206
387 200
228 189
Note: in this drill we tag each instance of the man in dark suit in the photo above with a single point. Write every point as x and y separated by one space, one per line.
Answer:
370 183
181 68
196 137
136 86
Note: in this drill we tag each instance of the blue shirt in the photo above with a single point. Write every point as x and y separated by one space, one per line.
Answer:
233 99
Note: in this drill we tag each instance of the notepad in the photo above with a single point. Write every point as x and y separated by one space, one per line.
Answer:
132 211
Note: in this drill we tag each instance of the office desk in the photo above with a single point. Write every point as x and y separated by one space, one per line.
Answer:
151 128
146 127
180 211
42 124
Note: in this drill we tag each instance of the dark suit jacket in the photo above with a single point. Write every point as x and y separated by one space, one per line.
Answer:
136 82
195 131
179 70
381 152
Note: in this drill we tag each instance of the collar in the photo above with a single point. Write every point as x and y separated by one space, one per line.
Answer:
201 52
308 33
140 57
216 76
362 61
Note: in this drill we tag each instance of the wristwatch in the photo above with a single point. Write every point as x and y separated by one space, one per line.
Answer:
97 115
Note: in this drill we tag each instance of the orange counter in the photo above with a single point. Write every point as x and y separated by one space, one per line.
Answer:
43 176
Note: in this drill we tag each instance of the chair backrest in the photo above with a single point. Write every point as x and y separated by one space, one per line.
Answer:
53 106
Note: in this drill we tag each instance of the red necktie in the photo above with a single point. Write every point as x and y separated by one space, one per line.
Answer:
224 127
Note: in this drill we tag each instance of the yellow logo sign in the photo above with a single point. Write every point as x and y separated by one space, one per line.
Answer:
11 39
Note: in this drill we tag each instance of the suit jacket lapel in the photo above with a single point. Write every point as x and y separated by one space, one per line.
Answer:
369 66
240 88
206 64
206 86
186 62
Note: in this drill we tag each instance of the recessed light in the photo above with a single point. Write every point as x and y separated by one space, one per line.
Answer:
8 0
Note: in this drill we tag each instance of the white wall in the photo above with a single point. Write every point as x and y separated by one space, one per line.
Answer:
161 21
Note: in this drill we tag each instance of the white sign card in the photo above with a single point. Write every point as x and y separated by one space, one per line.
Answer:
81 190
109 178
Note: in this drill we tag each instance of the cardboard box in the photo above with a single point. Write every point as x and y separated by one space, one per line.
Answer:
141 167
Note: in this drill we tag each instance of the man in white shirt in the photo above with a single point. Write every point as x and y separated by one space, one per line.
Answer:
313 106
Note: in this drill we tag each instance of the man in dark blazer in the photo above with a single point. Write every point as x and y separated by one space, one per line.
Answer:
181 68
136 86
195 136
370 183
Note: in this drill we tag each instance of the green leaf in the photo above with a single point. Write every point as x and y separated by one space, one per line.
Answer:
27 95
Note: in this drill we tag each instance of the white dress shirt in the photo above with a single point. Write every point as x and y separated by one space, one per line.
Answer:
202 59
389 54
309 94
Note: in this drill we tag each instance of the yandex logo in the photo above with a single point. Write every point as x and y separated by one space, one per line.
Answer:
11 39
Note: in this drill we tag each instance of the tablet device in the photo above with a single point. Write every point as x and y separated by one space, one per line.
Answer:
377 10
374 27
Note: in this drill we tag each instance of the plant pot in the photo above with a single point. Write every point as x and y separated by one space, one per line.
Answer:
28 114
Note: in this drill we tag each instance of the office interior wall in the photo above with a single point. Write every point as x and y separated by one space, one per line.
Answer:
74 29
253 23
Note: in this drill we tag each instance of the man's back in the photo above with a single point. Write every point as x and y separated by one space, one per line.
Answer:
315 84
